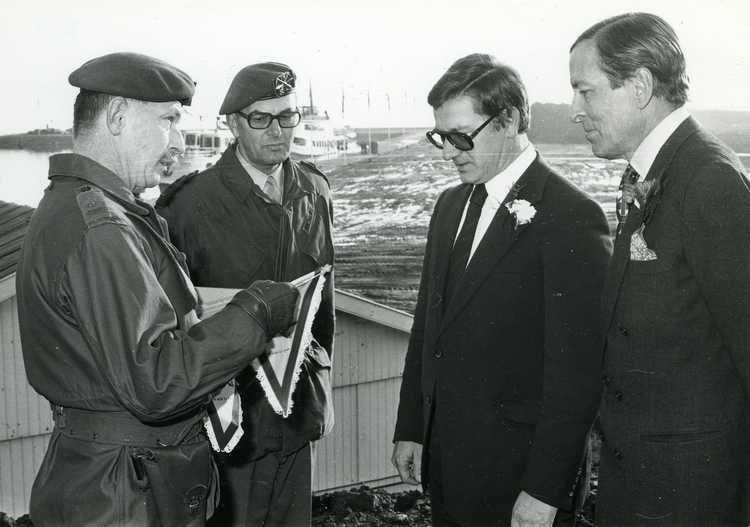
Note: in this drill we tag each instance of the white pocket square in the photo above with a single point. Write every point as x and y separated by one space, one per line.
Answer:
639 251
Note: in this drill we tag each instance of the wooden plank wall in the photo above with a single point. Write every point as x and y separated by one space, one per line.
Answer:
368 360
25 419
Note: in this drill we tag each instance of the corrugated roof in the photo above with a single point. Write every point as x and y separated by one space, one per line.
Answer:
14 220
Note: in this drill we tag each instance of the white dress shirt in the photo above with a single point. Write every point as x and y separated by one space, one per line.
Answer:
497 189
645 154
260 178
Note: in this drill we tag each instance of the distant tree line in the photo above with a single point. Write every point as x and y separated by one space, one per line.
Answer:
48 131
550 123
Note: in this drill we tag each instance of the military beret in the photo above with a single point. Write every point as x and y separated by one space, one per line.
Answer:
134 76
258 82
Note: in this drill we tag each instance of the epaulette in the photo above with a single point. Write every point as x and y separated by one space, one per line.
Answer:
169 192
311 166
96 208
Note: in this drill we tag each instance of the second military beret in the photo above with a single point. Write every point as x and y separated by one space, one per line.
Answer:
257 82
134 76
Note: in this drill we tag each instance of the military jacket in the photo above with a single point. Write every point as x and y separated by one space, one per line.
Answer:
107 321
232 235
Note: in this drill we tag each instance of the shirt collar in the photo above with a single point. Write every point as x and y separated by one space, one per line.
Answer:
258 177
85 168
644 155
499 186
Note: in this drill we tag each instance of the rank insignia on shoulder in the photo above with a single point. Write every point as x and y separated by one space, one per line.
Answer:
96 208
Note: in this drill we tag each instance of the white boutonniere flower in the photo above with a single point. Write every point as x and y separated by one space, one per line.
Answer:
522 211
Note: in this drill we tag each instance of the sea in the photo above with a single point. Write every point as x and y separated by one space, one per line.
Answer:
24 175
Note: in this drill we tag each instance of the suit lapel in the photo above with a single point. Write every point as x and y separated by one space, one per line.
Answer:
499 238
621 254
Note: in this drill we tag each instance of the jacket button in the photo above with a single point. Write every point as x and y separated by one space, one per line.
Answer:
606 379
618 455
618 395
623 330
427 400
438 353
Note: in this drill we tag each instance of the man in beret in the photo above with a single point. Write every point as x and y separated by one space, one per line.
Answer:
106 312
257 214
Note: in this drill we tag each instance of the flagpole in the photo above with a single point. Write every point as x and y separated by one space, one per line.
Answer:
369 123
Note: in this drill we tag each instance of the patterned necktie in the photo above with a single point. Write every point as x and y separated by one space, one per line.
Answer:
459 257
272 190
630 176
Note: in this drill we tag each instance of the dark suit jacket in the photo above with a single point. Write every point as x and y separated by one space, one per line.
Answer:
677 363
512 363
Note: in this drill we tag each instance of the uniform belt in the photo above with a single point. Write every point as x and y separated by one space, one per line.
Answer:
123 428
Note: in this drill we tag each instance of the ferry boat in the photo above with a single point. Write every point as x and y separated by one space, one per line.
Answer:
316 136
207 142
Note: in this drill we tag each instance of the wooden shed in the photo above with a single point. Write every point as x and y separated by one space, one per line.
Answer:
371 342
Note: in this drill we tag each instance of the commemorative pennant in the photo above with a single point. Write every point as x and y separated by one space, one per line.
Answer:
277 371
224 420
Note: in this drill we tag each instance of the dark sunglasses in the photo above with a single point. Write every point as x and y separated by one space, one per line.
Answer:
262 120
460 140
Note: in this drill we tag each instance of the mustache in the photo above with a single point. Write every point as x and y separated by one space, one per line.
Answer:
167 161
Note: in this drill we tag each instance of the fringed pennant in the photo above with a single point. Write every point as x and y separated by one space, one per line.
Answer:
279 370
224 420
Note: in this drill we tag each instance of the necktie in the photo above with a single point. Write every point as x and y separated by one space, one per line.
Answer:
460 255
272 190
630 176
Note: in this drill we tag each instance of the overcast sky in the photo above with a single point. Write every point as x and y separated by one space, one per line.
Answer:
395 50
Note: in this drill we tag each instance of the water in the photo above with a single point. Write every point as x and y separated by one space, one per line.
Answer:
23 175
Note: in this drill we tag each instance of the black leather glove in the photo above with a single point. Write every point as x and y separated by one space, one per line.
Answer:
270 304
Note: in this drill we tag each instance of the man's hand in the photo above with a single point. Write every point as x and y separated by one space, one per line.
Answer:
407 458
270 304
530 512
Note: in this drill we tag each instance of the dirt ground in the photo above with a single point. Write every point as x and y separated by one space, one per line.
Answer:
366 507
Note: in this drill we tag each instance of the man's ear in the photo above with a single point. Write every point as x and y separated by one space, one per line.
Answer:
116 115
233 124
511 119
643 86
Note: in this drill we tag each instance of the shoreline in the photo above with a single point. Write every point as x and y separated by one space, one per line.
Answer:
37 142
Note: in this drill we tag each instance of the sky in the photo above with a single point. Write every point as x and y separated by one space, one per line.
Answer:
388 51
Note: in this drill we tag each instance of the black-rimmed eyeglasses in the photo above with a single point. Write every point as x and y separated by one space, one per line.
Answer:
262 120
460 140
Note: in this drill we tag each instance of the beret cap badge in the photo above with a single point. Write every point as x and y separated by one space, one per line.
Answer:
284 83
